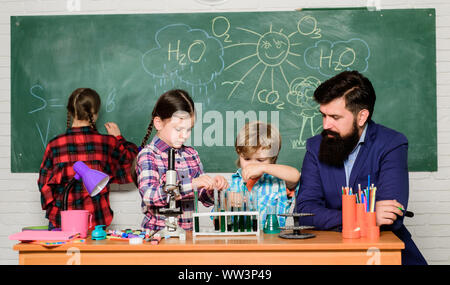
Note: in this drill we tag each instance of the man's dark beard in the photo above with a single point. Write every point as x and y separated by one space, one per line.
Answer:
335 150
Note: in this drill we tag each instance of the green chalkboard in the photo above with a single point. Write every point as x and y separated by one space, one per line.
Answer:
236 66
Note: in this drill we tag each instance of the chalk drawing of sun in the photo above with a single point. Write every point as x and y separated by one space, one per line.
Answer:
273 51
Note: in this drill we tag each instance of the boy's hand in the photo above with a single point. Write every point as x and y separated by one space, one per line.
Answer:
203 181
253 170
290 193
112 129
220 183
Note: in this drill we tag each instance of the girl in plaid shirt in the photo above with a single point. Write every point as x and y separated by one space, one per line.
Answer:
173 117
258 145
111 154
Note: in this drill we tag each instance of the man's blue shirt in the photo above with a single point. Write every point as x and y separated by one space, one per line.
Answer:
350 161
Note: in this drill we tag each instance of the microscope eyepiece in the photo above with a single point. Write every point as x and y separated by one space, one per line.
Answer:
171 159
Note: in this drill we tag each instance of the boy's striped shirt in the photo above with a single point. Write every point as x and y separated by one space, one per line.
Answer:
270 193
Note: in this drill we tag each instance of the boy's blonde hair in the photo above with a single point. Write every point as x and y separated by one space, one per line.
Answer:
255 136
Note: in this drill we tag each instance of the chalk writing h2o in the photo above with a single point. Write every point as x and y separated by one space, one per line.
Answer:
184 58
346 59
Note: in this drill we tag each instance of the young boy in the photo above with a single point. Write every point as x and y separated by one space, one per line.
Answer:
258 145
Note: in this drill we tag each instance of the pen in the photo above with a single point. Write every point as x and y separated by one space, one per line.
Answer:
407 213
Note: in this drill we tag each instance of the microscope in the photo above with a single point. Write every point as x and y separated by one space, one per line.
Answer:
172 189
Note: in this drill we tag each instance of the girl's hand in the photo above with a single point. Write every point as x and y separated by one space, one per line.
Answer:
203 181
112 129
220 183
253 170
387 211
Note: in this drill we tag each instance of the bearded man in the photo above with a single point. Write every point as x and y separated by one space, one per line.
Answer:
350 148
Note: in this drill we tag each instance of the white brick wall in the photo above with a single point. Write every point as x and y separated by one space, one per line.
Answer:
429 193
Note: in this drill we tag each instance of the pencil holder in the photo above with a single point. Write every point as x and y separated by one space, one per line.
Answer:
361 219
371 219
373 231
349 228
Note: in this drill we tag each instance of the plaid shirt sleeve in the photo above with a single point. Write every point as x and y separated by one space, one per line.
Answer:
149 181
124 154
45 174
204 196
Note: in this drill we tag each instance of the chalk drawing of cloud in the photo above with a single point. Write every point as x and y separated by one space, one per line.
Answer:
330 58
191 55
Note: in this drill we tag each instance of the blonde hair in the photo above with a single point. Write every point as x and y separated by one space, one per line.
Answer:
255 136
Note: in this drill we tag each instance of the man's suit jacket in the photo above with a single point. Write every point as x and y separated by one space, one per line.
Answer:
383 156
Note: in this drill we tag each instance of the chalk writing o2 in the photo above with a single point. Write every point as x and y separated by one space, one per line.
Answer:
227 36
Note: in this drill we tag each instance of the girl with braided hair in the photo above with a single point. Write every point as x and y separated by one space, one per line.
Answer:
173 117
110 153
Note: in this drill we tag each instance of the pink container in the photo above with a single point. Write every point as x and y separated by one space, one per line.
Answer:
76 221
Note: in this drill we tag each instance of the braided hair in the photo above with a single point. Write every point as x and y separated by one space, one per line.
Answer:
166 106
172 101
83 104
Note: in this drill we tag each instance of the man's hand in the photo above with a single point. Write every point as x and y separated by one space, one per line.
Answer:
387 211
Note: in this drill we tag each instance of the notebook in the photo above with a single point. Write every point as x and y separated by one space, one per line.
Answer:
43 235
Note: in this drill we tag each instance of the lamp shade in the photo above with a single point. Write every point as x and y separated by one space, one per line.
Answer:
93 180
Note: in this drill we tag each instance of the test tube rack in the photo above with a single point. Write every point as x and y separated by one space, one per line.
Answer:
226 232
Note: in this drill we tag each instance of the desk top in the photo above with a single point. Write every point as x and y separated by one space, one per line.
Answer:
324 240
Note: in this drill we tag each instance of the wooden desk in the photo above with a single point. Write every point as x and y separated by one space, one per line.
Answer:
325 248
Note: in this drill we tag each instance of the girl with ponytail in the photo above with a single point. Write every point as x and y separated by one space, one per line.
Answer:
173 117
110 153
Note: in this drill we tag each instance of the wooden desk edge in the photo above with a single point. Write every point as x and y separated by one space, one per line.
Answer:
388 241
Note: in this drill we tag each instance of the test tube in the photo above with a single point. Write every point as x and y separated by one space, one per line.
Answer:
229 218
242 217
254 207
248 219
197 225
235 205
222 209
216 208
